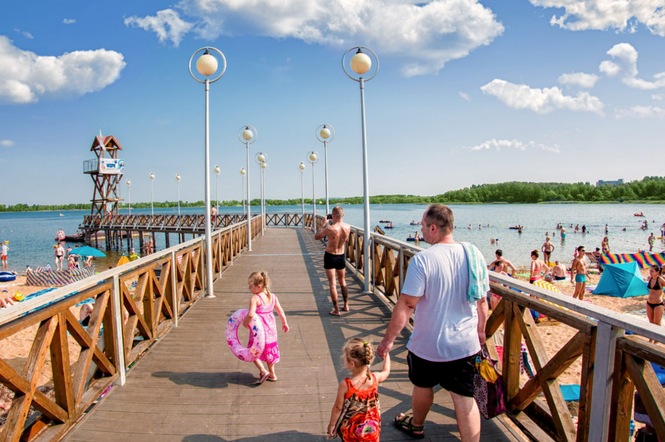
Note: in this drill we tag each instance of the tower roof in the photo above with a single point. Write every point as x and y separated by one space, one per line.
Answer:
105 143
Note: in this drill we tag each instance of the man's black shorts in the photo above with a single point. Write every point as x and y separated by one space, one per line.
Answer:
455 376
331 261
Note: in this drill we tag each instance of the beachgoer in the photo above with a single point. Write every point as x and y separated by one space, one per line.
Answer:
579 271
583 228
500 259
88 262
563 233
6 301
606 230
558 271
651 240
263 303
59 256
60 235
361 422
538 268
334 259
448 329
547 248
605 246
4 250
70 262
133 256
500 267
655 305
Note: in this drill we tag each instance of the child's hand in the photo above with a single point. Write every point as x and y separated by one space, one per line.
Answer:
331 431
285 327
246 326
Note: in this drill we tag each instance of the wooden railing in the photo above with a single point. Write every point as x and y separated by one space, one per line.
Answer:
135 305
173 223
612 366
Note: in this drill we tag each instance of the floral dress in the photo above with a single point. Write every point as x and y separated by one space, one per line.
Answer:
360 420
265 313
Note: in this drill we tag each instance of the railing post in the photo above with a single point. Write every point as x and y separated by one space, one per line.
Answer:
119 329
599 418
231 244
174 283
400 259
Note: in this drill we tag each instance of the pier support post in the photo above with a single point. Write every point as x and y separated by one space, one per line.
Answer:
119 327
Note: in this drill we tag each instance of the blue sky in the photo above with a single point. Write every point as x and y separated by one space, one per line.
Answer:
468 92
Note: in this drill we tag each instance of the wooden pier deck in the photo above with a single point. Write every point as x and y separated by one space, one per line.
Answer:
190 387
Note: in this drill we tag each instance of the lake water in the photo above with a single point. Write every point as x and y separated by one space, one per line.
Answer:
31 234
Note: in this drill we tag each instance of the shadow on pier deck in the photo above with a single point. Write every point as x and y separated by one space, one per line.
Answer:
190 387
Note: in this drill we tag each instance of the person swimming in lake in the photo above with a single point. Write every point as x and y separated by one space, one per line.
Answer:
547 248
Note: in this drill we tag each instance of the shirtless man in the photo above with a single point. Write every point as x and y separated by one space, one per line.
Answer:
334 260
505 264
579 271
547 248
559 271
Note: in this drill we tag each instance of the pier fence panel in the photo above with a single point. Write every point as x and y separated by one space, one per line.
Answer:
134 305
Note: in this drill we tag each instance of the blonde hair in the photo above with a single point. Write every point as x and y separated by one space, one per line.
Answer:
260 278
361 352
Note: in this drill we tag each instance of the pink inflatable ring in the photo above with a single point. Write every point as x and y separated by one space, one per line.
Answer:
257 336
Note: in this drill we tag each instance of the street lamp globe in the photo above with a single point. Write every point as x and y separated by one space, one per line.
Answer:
313 157
302 166
261 158
264 165
128 182
325 132
242 171
152 176
206 64
177 177
247 134
360 63
217 170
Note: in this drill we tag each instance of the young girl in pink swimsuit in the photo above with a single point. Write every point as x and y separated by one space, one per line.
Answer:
263 303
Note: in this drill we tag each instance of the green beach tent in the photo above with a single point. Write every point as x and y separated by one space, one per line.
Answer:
621 281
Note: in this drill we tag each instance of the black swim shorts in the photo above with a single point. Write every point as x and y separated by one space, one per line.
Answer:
455 376
331 261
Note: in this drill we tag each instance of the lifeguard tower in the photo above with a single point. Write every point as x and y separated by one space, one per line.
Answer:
106 172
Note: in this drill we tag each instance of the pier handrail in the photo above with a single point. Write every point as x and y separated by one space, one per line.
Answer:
124 323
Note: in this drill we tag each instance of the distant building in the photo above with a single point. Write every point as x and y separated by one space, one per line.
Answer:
611 183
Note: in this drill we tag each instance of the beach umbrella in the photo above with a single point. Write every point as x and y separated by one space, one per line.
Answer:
621 281
87 251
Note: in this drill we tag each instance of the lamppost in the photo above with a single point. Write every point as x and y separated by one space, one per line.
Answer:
301 168
248 136
152 199
325 134
242 179
217 170
129 198
361 63
177 180
261 158
313 158
264 166
206 65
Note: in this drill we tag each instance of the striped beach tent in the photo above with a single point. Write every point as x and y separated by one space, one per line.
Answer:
643 259
50 278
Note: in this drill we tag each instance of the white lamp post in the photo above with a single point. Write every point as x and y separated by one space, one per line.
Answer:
152 180
248 136
325 134
360 64
242 179
313 158
207 66
264 166
129 198
177 180
261 158
301 168
217 170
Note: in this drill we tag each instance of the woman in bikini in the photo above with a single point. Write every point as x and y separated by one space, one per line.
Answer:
655 305
538 268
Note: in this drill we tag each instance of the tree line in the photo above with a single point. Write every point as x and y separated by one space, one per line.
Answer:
649 189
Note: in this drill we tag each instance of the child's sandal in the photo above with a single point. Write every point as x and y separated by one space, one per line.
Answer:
403 422
262 379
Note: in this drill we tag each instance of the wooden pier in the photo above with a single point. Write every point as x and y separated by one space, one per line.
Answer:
172 376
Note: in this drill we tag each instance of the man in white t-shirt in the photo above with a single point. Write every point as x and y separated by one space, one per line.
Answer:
447 332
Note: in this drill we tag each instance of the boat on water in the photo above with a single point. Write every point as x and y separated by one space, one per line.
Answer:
413 239
385 221
74 238
415 224
638 214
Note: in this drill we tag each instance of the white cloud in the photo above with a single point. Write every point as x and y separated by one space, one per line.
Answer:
624 65
515 144
425 35
542 101
68 21
607 14
641 112
464 96
26 34
26 76
167 24
578 79
657 97
6 143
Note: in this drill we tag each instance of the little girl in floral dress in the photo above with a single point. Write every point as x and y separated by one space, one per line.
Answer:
356 415
263 303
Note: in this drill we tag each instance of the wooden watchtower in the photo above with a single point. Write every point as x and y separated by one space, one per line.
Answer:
106 172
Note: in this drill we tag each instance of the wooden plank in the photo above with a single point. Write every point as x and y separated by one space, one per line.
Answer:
495 321
642 349
512 343
62 378
621 407
650 391
586 387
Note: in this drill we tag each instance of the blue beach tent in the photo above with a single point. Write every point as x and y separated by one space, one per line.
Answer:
621 281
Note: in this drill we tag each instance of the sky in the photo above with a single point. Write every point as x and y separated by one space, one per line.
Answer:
467 92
